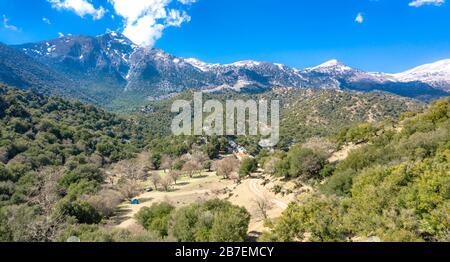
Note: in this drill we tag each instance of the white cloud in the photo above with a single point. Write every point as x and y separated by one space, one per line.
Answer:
419 3
145 31
177 17
187 2
60 34
8 26
359 18
145 20
46 20
80 7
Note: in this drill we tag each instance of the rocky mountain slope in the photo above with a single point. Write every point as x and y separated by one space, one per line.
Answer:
110 67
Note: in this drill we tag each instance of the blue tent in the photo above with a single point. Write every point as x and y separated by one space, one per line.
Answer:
135 202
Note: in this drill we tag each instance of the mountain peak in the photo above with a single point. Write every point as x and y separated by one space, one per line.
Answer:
116 37
333 63
436 74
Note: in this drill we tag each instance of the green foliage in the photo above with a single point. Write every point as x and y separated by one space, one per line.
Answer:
95 233
5 173
300 163
357 134
156 218
86 172
311 113
248 166
214 220
318 219
80 210
396 188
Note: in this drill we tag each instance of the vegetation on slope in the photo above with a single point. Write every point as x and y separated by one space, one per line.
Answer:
304 113
54 158
395 188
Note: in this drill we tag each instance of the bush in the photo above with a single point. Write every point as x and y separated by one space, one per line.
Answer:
82 211
248 166
215 220
300 162
320 218
156 218
5 174
106 202
87 172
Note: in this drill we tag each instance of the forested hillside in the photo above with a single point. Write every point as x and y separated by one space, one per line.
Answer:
394 188
51 153
56 159
304 113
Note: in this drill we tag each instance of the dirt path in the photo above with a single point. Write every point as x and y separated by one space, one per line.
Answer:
248 193
190 191
262 193
187 191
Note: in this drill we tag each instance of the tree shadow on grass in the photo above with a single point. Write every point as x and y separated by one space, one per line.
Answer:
121 215
182 183
145 199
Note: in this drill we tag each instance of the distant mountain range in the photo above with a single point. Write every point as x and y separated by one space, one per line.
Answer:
100 69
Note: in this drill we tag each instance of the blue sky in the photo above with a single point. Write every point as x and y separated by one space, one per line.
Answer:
389 35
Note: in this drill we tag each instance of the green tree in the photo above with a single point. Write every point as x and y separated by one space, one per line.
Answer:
248 166
156 218
214 220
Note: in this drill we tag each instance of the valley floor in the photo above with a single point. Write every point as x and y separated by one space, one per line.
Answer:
209 186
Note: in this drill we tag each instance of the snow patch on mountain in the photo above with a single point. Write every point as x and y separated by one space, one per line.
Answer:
436 74
331 65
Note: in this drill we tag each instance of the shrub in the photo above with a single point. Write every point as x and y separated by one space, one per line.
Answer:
248 166
156 218
81 210
87 172
215 220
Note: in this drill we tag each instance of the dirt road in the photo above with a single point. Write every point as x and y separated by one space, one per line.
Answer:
191 191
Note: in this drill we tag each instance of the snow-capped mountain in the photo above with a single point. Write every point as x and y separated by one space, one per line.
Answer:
108 65
106 55
331 67
436 74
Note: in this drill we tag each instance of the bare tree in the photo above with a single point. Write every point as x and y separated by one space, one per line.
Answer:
166 182
226 167
175 175
131 169
156 179
45 194
263 205
129 188
200 157
106 201
191 167
166 163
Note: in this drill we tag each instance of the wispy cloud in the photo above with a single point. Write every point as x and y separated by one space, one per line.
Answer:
419 3
46 20
145 20
8 26
80 7
359 18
